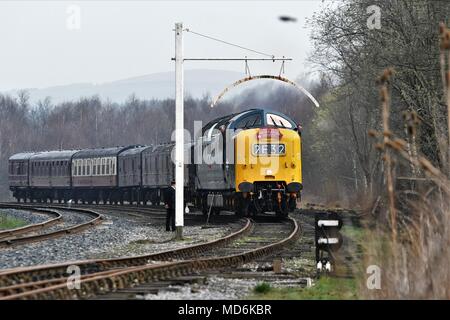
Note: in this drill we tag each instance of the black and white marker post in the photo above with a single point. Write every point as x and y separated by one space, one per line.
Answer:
328 240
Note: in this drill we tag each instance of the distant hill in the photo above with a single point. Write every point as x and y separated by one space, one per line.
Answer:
156 85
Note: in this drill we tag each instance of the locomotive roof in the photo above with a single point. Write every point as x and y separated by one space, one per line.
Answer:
100 152
233 118
54 155
163 147
22 155
134 151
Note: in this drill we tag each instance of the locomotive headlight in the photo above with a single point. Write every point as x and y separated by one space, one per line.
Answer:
269 172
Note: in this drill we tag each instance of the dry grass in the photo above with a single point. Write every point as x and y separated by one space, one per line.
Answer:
410 229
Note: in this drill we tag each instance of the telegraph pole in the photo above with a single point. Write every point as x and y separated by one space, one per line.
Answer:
179 131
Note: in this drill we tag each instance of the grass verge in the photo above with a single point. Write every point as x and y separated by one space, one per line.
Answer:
325 289
7 222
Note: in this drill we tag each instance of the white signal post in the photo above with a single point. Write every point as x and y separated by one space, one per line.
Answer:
179 131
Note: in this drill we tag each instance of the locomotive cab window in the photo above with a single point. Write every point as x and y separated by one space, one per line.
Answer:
277 121
249 122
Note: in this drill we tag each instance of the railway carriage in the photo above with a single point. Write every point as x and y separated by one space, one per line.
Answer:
18 175
250 162
50 175
131 174
158 170
95 175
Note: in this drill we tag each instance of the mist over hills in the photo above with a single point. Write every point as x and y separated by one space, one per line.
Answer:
152 86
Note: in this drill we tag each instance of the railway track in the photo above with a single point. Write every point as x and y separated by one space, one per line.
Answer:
106 275
266 231
31 227
12 237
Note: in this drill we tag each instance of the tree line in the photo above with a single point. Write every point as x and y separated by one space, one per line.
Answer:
92 122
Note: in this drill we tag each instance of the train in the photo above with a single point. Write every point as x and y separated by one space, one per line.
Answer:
248 162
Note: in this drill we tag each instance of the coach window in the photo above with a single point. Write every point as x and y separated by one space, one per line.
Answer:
88 167
114 166
108 166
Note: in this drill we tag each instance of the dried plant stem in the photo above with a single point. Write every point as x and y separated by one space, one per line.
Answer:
445 74
385 101
448 113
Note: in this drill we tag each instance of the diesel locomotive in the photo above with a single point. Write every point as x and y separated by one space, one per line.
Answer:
248 162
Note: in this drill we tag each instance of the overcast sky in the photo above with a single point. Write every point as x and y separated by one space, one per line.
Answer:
122 39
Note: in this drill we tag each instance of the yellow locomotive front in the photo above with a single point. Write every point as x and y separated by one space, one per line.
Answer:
268 172
251 163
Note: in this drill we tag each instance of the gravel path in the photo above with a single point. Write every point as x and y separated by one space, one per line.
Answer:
115 237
